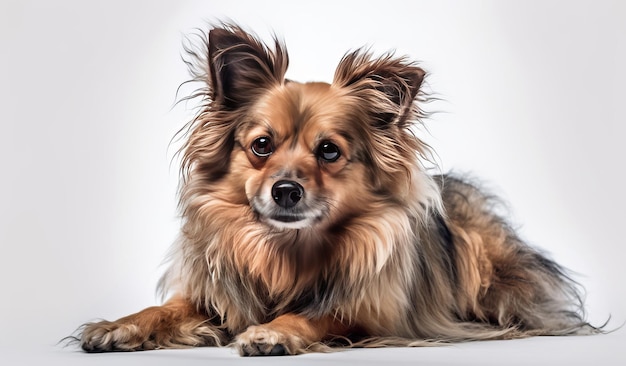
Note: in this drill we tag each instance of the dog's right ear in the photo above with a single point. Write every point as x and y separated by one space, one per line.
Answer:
241 67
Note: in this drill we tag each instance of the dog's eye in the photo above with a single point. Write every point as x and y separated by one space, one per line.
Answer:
328 152
262 147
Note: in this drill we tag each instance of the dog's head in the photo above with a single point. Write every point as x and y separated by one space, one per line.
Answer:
302 155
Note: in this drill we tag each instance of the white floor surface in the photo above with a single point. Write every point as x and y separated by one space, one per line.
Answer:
609 349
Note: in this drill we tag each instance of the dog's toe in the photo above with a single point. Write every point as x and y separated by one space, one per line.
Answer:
264 341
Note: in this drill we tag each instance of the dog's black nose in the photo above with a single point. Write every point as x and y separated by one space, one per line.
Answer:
287 193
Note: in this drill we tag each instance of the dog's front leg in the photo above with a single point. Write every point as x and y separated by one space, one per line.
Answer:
175 324
288 334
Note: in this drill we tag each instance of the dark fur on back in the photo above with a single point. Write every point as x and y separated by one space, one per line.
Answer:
519 287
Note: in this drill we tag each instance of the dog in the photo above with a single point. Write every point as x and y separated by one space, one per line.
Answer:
310 222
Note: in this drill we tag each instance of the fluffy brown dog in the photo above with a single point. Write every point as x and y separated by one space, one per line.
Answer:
309 217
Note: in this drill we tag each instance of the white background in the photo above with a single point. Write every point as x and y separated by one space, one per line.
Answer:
533 105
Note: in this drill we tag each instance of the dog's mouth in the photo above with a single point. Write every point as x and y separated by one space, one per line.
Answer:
294 218
289 218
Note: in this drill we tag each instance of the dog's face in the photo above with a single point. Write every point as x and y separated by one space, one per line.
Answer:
301 161
306 155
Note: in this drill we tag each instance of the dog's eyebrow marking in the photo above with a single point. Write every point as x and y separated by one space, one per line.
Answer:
259 124
270 131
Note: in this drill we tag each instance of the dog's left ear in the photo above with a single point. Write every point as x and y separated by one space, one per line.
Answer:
388 85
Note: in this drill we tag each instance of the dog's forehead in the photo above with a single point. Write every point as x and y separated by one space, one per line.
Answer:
293 107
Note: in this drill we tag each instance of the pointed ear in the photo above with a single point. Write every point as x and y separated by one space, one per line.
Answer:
241 67
388 85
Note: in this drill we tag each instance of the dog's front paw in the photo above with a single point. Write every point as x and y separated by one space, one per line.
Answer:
108 336
262 340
